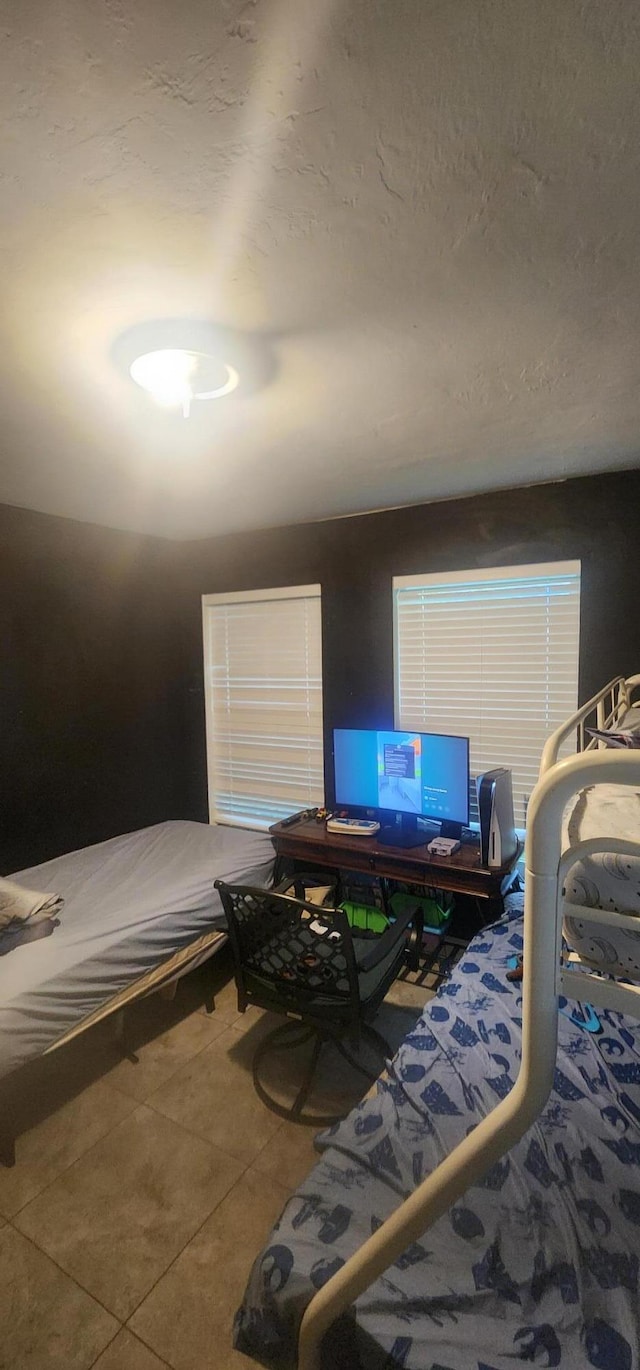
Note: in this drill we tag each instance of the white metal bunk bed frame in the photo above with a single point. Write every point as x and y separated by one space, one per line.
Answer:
546 976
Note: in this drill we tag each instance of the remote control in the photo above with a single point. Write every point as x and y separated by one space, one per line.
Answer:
300 817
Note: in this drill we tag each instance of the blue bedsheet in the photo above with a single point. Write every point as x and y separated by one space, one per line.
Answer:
537 1264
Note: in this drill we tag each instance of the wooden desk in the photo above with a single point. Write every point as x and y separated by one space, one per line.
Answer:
461 873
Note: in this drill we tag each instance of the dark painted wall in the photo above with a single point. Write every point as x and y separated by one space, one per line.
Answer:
101 691
595 519
90 690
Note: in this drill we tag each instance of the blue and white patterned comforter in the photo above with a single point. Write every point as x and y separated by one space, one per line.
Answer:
538 1262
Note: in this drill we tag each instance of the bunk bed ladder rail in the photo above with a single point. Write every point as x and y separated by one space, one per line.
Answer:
543 981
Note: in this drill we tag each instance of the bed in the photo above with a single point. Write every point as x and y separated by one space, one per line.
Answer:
511 1132
542 1248
607 879
139 910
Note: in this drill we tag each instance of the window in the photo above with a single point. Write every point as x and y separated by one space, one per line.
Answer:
491 654
263 693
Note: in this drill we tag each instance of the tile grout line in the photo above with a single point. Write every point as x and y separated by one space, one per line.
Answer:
105 1348
66 1168
192 1133
182 1250
187 1061
286 1193
135 1103
73 1278
33 1240
141 1338
123 1328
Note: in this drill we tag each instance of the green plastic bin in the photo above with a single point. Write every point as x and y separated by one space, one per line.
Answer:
435 918
365 918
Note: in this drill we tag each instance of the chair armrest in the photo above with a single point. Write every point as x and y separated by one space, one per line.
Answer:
283 885
386 943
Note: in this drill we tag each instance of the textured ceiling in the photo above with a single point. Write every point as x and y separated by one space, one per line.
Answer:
427 210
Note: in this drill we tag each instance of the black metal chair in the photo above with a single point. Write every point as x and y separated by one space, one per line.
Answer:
294 957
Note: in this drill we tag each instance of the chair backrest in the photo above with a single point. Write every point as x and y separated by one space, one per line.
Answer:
289 953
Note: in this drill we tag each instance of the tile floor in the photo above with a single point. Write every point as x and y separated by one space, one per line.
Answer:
143 1191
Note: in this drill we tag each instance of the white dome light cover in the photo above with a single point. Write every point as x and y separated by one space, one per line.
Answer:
178 362
175 377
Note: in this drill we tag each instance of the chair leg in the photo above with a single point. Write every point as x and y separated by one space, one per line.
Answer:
370 1033
286 1037
379 1041
289 1035
355 1065
415 941
303 1092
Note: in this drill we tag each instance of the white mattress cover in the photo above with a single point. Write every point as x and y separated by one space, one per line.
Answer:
604 880
130 903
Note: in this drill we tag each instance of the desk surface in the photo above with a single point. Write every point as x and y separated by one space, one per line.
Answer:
462 872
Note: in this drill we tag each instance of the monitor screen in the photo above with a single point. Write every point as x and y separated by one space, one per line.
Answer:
423 774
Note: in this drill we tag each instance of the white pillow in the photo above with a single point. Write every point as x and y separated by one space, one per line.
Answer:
19 905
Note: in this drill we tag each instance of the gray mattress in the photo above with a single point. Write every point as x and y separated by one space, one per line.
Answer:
130 904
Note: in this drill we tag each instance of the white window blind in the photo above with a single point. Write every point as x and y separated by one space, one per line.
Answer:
263 693
492 655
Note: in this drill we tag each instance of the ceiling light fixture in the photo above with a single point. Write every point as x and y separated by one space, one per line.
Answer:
175 377
180 363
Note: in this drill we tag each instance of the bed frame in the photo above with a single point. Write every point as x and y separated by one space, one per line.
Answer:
546 976
161 979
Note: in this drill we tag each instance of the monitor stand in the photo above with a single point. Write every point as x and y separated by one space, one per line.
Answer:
406 834
400 837
451 830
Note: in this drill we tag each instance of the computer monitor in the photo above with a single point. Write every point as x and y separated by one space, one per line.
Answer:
413 774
